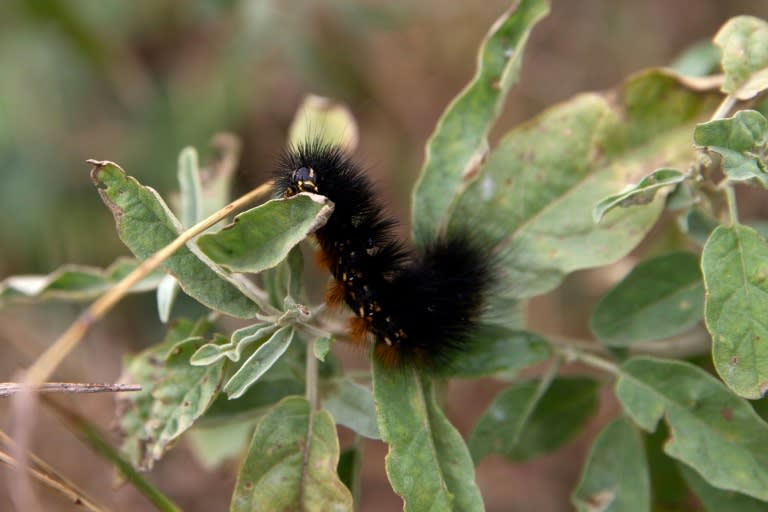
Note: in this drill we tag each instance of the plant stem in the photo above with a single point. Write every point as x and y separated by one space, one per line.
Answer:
724 108
730 199
311 376
574 354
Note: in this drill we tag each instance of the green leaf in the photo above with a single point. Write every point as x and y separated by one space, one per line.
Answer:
615 477
233 348
741 141
699 60
669 490
259 362
350 466
146 225
698 225
493 350
322 119
322 346
534 196
717 500
291 463
173 396
520 422
744 44
261 395
190 188
213 445
641 193
713 431
167 291
458 144
735 267
285 280
72 283
262 237
351 405
659 298
190 213
428 463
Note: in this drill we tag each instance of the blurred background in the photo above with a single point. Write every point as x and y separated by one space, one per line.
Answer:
135 82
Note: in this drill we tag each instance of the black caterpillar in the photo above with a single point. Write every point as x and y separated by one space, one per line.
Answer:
418 307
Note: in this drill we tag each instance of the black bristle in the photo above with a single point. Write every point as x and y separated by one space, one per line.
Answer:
420 308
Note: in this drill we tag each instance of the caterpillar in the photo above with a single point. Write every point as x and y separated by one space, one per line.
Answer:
413 307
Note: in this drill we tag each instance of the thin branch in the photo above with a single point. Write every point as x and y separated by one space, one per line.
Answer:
91 436
9 388
730 199
49 477
574 354
724 108
311 376
71 494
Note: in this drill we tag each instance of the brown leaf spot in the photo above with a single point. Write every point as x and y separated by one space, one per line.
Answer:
727 414
473 166
600 501
735 361
763 388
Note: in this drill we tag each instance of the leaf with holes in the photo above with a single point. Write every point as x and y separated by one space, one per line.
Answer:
173 395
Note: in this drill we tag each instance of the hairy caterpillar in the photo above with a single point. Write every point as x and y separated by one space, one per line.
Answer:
417 307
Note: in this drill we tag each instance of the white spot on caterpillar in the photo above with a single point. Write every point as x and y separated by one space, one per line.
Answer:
388 341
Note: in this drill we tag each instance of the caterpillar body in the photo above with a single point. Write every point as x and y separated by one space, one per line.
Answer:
414 307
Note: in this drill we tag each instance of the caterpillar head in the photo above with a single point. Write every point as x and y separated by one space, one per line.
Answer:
303 179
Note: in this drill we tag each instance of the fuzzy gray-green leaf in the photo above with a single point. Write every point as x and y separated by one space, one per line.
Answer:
263 236
641 193
146 225
259 362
